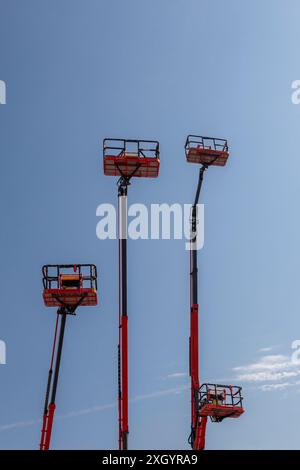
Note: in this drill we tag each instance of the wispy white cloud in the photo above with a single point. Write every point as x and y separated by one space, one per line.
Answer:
86 411
271 387
267 376
277 368
274 367
176 375
71 414
266 349
19 424
161 393
270 362
95 409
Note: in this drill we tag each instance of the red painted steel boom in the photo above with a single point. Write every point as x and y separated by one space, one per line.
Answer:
198 423
49 408
123 318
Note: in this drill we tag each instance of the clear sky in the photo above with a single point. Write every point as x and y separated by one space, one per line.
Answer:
77 71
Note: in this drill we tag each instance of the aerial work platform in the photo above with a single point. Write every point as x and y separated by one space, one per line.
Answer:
128 158
66 286
206 150
70 285
213 401
220 401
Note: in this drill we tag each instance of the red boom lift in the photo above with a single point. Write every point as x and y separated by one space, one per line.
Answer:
66 286
126 159
208 400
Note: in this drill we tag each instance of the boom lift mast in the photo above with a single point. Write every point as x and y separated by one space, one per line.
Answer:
208 400
198 426
67 292
123 318
126 159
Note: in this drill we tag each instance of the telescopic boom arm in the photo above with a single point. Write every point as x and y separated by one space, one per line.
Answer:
198 425
207 400
123 318
67 291
126 158
49 408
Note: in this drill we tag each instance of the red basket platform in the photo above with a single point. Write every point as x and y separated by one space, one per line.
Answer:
220 411
59 297
206 150
70 285
220 401
131 165
131 158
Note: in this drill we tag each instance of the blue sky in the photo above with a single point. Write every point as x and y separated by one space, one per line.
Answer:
79 71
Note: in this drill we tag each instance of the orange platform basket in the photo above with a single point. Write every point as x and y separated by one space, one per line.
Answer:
206 150
131 158
220 401
70 285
